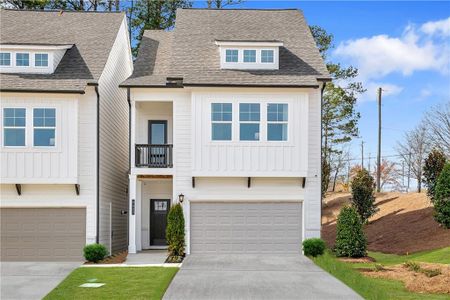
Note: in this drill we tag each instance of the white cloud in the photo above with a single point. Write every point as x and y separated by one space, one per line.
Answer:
381 55
389 89
441 27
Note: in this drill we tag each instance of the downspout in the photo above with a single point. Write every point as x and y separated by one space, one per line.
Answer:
321 146
97 238
129 158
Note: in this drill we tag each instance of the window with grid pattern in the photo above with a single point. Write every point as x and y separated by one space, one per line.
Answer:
277 122
249 118
14 123
44 127
221 121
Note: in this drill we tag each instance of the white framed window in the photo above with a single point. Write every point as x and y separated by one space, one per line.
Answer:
22 59
41 59
277 122
250 56
231 55
266 56
249 119
221 121
44 127
5 59
14 126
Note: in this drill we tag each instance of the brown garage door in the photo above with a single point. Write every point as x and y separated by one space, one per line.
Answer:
42 234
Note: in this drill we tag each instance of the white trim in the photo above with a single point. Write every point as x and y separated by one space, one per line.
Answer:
5 47
249 44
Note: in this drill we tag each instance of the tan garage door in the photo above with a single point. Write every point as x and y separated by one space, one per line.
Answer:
42 234
246 227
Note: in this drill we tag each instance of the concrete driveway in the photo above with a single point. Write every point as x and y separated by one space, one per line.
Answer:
255 277
32 280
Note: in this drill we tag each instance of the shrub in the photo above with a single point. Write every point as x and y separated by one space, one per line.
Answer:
433 166
175 231
95 252
350 239
442 197
362 195
313 247
412 266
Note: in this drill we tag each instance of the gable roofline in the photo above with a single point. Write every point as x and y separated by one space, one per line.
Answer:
65 11
256 9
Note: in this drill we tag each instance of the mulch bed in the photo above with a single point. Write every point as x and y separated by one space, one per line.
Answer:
366 259
117 258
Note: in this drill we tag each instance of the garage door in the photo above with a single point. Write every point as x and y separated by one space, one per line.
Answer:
237 227
42 234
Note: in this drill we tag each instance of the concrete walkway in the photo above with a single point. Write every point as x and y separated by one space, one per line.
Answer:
32 280
255 277
147 257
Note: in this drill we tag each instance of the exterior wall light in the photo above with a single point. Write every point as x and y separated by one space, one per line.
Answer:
181 198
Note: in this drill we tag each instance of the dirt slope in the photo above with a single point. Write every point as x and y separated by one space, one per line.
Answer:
404 223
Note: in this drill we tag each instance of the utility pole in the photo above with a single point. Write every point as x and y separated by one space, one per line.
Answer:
362 155
379 142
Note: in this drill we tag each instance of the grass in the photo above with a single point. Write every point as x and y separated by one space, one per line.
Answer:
120 283
374 288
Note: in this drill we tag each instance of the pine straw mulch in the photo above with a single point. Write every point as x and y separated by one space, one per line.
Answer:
416 281
366 259
117 258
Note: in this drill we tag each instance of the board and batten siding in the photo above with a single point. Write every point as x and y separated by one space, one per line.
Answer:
250 158
32 164
53 193
114 144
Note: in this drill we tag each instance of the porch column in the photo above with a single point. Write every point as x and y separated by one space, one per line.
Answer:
138 215
132 215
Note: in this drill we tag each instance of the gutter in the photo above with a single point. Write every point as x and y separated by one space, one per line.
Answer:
97 237
42 91
321 147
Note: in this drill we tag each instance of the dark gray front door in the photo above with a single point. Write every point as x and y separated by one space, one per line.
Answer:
157 137
158 221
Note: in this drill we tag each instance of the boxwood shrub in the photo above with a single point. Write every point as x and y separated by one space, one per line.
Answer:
95 252
313 247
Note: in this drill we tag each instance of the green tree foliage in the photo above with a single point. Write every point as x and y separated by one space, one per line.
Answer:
339 116
175 231
25 4
221 3
363 199
442 197
326 170
153 14
350 238
433 166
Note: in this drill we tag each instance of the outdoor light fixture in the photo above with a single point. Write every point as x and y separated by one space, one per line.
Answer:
181 198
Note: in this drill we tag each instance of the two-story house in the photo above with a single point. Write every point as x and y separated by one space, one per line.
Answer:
64 133
226 118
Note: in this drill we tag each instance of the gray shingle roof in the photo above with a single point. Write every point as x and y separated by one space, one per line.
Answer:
91 34
190 52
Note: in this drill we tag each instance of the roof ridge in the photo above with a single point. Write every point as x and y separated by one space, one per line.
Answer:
256 9
63 10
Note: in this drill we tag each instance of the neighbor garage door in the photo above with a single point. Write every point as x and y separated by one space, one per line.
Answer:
42 234
245 227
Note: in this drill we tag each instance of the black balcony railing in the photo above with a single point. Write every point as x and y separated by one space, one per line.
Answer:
154 156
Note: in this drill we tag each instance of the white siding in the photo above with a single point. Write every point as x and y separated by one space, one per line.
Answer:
114 143
153 111
250 158
64 195
31 164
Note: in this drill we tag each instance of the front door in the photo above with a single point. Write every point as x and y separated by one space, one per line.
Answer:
158 221
157 137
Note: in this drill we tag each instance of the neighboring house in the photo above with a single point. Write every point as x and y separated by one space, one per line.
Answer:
226 115
64 133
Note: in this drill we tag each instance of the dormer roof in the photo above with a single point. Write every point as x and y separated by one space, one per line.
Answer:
90 34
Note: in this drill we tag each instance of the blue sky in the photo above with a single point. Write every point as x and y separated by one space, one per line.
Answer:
392 47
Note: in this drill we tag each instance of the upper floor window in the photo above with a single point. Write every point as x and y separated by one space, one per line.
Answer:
41 60
277 122
231 55
267 56
22 59
249 117
14 123
5 59
250 56
221 118
44 125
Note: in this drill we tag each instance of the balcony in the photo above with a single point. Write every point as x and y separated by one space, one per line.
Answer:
154 156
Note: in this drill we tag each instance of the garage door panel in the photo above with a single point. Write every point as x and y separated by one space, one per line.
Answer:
246 227
42 234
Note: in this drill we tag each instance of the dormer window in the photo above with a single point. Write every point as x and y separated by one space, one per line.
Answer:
250 56
5 59
266 56
41 60
232 55
22 59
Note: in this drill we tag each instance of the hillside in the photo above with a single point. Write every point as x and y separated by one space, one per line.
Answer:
404 223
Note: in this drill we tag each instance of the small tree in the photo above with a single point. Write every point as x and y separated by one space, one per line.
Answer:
433 166
175 232
362 194
350 238
442 197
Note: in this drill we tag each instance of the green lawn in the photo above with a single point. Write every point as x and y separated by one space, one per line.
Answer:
120 283
374 288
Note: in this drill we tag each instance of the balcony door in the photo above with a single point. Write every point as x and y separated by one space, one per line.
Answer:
157 137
